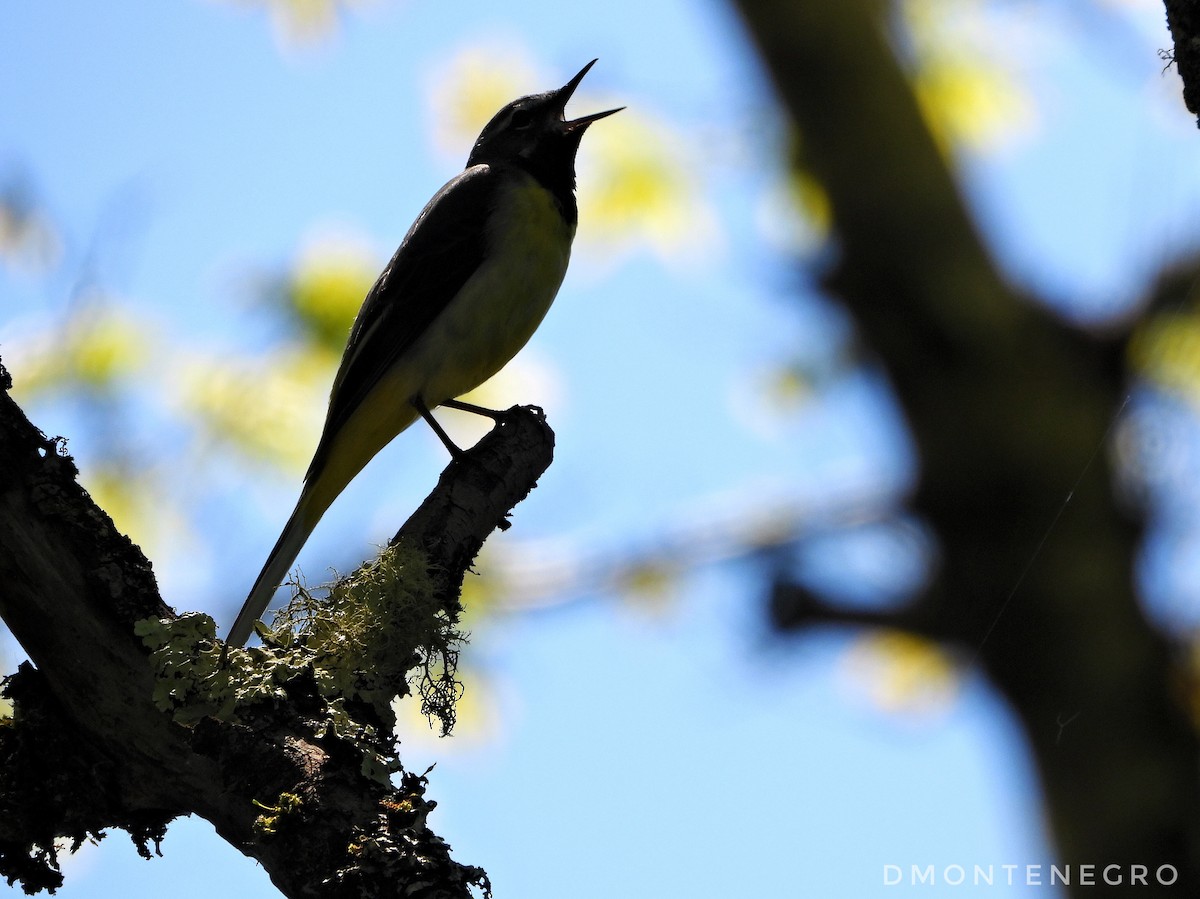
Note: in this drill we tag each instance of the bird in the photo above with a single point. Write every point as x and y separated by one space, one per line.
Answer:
467 287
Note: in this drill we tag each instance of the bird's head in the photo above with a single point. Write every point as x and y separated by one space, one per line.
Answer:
535 134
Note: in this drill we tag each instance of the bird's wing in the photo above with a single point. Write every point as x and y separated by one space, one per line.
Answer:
443 248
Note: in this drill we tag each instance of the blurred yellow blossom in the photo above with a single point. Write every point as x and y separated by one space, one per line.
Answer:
135 500
969 102
788 388
327 286
270 408
302 23
99 343
641 187
969 92
473 86
900 672
795 218
1166 349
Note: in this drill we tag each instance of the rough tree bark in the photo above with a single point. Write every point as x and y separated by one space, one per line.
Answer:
1183 18
87 749
1010 412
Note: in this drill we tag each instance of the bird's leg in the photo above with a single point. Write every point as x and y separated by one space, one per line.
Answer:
493 414
423 411
500 416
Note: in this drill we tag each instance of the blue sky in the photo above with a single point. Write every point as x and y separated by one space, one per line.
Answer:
629 752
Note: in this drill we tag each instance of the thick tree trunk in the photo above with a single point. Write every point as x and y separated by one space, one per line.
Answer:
1010 412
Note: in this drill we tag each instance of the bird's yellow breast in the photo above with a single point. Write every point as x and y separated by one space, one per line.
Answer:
528 244
502 304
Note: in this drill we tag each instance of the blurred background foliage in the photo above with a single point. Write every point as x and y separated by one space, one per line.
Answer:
651 185
646 187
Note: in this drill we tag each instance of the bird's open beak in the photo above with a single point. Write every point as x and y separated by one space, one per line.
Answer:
564 94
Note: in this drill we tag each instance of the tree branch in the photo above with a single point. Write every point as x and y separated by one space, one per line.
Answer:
276 780
1183 18
475 495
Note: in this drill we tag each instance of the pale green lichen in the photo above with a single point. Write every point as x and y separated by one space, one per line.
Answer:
395 590
287 806
191 682
376 632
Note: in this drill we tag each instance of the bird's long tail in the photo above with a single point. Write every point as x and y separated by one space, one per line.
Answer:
339 457
304 518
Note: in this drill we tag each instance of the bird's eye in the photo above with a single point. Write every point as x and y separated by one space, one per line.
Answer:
521 119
